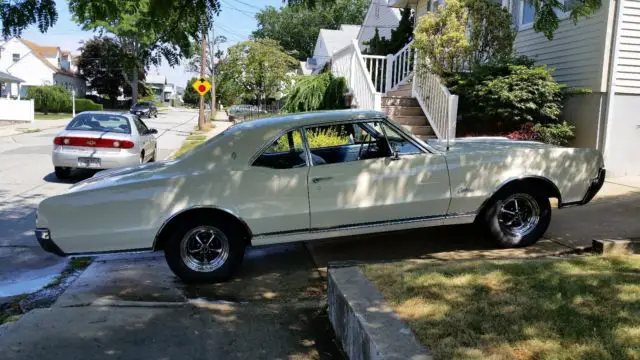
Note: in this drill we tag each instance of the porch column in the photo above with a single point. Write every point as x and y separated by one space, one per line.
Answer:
18 91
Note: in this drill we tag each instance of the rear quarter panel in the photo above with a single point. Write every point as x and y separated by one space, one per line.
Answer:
476 176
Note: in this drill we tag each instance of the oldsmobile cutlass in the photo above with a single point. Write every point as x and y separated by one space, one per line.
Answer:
310 176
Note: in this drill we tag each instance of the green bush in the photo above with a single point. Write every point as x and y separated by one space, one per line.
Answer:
317 138
87 105
50 99
316 92
556 134
503 97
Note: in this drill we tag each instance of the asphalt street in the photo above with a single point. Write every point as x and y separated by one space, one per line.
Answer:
26 177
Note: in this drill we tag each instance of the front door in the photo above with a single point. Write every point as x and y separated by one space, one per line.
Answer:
359 179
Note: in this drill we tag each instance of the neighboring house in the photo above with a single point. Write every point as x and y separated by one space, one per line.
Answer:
379 16
329 41
38 65
157 83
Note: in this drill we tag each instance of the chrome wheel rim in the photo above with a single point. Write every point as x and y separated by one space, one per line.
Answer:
519 214
204 249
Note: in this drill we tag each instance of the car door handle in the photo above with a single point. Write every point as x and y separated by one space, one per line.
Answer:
318 179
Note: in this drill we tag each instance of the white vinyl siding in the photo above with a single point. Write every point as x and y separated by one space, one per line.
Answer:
628 67
577 52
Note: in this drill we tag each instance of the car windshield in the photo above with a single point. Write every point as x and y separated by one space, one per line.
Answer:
141 106
100 122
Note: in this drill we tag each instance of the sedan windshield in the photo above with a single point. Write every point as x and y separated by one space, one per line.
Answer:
100 122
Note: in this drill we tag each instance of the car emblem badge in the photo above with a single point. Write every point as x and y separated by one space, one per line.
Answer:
91 142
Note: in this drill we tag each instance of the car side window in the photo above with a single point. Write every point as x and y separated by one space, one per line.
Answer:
399 143
345 143
286 152
142 128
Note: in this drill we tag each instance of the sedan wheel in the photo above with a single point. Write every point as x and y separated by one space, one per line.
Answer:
517 217
204 251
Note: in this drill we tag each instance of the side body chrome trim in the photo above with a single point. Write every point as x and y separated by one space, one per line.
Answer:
229 212
364 228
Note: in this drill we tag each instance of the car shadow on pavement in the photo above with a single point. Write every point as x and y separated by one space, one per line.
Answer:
76 176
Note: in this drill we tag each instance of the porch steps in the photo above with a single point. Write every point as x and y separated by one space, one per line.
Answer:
405 110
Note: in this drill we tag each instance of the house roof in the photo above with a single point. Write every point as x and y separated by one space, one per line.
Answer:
43 50
10 78
335 40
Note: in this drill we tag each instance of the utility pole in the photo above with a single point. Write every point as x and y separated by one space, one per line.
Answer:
203 61
213 72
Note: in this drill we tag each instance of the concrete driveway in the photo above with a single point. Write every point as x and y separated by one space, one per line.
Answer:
26 177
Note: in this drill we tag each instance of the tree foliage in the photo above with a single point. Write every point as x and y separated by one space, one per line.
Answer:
465 33
101 62
316 92
213 47
296 27
400 36
261 66
229 90
504 97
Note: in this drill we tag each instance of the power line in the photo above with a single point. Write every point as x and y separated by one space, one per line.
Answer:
243 12
249 5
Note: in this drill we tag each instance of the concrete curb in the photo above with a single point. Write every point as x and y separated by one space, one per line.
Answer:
613 247
366 327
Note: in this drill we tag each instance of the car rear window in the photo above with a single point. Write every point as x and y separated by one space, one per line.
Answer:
100 122
141 106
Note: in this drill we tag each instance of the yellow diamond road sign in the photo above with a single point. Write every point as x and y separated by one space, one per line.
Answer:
202 86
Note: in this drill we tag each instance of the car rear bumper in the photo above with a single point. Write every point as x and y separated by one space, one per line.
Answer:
44 239
594 187
108 160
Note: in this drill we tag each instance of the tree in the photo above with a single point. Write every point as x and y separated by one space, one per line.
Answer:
463 34
101 62
262 67
229 89
17 15
296 27
148 30
400 36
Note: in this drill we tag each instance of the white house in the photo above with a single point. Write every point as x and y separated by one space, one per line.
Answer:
379 16
329 41
38 65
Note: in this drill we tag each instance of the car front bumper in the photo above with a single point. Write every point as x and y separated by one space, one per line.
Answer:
592 191
44 239
62 157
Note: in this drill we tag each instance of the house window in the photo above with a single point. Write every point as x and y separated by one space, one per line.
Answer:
16 57
528 12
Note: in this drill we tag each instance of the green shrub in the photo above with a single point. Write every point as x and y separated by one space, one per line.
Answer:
87 105
317 138
316 92
556 134
50 99
503 97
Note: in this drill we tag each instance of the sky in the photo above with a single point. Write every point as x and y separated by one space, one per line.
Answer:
236 21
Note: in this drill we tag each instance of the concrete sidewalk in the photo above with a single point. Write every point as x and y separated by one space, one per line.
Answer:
38 125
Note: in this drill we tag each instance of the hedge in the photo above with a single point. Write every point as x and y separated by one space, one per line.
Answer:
87 105
57 99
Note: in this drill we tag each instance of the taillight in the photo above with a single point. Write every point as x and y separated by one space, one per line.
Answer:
92 142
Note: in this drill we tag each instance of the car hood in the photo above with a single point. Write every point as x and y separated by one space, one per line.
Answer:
464 145
145 172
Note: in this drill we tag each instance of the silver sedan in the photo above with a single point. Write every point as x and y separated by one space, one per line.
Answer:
103 140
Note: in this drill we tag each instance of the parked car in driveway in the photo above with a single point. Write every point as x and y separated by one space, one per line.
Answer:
102 140
310 176
145 109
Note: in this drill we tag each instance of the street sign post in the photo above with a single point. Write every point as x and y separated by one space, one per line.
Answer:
202 86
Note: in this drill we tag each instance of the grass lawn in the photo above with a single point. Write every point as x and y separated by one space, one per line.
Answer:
41 116
579 308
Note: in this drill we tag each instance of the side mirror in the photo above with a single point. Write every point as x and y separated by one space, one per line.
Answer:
152 131
395 156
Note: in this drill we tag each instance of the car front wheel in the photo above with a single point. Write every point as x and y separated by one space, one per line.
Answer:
517 217
204 251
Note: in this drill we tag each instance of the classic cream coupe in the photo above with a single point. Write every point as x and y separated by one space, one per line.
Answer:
311 176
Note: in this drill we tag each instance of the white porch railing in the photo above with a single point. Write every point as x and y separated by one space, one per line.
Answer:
370 76
348 62
438 104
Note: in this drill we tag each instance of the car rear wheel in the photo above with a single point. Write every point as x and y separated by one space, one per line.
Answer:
62 173
204 251
517 217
